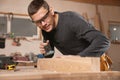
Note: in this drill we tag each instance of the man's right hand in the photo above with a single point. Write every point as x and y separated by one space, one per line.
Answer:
42 46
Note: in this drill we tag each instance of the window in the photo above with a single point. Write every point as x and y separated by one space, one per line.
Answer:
23 27
3 25
20 26
114 30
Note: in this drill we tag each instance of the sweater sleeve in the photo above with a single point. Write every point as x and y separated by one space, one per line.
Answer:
98 44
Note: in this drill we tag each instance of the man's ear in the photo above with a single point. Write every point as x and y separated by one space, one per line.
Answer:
52 11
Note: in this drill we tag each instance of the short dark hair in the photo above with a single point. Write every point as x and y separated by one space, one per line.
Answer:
35 5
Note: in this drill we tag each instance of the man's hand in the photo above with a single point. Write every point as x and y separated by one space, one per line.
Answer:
42 46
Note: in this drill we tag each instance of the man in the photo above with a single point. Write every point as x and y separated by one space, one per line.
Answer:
67 31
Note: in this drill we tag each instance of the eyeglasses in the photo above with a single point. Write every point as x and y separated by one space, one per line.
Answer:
43 18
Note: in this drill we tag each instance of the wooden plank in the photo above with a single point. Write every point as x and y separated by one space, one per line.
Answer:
85 16
97 22
10 13
30 73
100 2
69 64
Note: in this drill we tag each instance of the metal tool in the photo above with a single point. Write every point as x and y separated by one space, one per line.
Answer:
7 63
49 52
2 42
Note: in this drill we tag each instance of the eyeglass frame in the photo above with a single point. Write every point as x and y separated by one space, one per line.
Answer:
42 19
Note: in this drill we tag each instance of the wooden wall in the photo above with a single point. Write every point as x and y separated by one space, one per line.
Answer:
101 2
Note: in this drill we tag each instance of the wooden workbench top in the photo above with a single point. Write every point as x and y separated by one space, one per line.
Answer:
31 73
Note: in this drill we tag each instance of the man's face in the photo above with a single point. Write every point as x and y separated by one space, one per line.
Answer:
44 19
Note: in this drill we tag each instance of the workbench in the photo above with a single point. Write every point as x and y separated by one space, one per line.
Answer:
62 68
31 73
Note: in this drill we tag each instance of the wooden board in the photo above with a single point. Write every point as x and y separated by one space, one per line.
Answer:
69 64
100 2
31 73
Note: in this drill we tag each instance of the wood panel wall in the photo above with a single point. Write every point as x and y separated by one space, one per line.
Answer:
100 2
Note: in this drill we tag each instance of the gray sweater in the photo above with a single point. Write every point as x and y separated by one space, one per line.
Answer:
75 36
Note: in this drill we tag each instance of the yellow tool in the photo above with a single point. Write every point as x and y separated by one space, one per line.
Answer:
10 67
7 63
